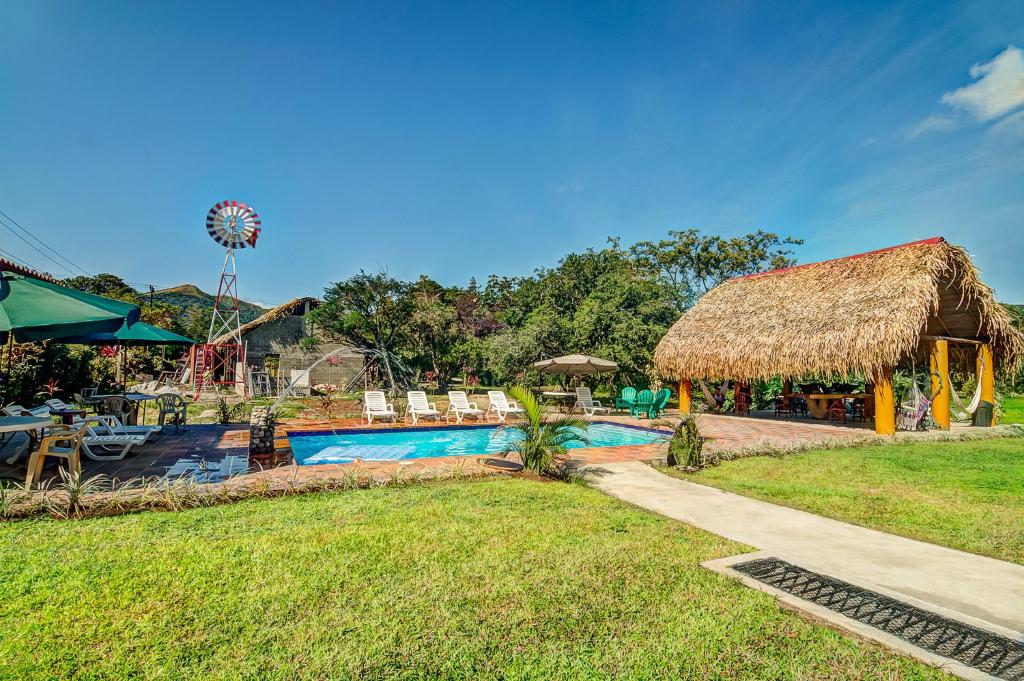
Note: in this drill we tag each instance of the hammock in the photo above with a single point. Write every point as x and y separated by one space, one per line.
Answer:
910 414
710 396
965 411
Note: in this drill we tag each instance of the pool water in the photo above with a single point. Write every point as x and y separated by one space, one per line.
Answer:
392 445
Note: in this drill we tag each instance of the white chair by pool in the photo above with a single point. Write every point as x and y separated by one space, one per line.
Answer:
502 406
460 405
418 407
586 402
376 405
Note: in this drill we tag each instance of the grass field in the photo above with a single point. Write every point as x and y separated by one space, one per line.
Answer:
488 579
1013 410
967 495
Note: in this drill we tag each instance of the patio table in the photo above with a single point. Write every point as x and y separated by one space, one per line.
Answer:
29 424
818 404
134 398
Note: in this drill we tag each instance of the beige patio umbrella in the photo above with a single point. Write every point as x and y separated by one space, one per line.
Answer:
575 365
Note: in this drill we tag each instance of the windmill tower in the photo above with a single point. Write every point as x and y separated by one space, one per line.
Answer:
221 360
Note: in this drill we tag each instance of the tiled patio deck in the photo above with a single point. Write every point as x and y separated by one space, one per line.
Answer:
214 452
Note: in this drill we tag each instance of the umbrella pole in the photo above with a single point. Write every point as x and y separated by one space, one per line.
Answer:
7 371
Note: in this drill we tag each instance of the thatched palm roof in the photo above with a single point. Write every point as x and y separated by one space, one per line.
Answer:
283 310
839 317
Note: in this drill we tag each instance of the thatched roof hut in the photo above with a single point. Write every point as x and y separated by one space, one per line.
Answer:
855 315
296 307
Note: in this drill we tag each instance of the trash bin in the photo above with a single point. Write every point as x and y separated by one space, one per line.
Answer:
983 415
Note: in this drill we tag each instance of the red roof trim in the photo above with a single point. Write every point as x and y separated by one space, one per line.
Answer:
15 268
933 240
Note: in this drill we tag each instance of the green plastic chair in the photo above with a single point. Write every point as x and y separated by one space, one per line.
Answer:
626 399
644 401
660 401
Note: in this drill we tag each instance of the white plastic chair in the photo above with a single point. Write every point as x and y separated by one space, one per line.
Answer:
63 444
586 402
501 405
460 405
418 407
375 405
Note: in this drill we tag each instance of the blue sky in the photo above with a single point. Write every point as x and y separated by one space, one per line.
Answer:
458 140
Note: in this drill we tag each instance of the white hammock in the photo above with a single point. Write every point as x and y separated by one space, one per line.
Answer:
965 411
710 396
910 414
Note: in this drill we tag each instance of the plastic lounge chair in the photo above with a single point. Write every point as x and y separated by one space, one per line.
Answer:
642 405
100 445
626 399
586 402
501 405
375 405
108 424
418 406
18 410
460 405
660 402
64 444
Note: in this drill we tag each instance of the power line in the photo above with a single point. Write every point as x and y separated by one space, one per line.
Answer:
44 244
15 259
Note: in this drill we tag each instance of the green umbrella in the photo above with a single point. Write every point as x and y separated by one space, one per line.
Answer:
33 310
139 333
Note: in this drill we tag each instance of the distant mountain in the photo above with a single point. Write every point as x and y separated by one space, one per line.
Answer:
189 295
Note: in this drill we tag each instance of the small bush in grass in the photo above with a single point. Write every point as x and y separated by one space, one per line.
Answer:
686 446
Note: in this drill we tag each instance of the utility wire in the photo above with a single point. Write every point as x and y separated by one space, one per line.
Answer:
63 266
19 261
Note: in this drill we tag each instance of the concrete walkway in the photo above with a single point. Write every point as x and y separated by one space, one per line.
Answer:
988 591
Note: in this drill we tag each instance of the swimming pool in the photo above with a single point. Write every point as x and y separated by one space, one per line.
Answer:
346 446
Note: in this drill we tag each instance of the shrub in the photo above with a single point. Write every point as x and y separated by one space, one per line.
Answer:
541 442
686 446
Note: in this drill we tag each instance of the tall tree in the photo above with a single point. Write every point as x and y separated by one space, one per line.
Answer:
370 311
692 263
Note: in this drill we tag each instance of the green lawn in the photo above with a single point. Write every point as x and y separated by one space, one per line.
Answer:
495 578
1013 410
968 495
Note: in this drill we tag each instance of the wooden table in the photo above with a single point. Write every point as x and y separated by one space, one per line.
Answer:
29 424
818 404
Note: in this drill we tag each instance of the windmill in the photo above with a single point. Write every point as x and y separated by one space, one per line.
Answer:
234 225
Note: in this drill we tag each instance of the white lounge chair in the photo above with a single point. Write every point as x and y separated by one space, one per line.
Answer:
586 402
18 410
460 405
108 424
375 405
501 405
419 408
108 446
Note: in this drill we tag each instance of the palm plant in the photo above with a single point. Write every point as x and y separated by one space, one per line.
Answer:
539 441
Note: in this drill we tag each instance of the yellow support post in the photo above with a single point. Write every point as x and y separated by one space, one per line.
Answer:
939 363
988 376
885 403
685 396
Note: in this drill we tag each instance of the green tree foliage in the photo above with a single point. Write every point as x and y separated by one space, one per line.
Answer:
691 263
612 302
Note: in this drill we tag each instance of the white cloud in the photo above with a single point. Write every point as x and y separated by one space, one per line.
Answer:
998 88
932 124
